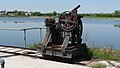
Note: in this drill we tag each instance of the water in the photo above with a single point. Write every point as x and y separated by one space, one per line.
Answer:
103 33
16 38
97 32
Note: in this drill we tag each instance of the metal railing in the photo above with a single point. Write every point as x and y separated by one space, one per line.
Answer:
24 29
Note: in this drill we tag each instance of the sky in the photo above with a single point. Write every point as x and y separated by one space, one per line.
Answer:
87 6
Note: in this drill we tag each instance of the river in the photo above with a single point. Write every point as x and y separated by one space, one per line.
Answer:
97 32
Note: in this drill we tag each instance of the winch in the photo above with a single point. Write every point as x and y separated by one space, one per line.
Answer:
63 36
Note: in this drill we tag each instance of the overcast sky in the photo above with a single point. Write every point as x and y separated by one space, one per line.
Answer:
87 6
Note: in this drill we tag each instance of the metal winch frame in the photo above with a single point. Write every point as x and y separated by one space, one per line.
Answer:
63 38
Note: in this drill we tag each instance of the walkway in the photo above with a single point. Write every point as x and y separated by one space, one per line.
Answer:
25 58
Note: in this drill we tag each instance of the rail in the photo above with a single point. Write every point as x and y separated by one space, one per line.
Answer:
24 29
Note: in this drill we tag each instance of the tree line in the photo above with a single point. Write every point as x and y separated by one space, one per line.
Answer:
25 13
54 13
114 14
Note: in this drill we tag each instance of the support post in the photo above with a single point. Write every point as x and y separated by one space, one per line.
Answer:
40 34
2 63
25 46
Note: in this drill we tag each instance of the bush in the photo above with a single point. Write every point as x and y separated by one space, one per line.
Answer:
35 45
104 53
99 65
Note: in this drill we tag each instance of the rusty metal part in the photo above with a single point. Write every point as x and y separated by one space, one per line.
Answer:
68 21
63 38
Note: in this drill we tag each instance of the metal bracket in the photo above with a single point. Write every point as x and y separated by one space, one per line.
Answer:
65 43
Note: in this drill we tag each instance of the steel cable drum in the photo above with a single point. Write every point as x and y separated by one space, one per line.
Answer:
67 21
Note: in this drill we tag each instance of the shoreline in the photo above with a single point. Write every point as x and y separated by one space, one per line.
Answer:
30 16
105 18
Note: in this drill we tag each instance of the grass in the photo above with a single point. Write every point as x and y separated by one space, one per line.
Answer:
99 65
95 52
35 45
104 53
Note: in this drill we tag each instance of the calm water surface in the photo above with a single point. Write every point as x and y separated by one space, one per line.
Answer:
101 32
97 32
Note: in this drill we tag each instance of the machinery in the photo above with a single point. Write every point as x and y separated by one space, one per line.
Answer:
63 37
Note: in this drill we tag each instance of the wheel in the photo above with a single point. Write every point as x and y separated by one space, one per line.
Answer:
67 21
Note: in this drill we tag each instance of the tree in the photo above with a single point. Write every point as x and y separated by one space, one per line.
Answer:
117 13
36 13
20 13
54 13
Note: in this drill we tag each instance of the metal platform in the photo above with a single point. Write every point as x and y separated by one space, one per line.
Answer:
70 52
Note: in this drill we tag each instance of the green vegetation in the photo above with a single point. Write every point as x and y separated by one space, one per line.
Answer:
17 13
104 53
35 45
99 65
95 52
101 15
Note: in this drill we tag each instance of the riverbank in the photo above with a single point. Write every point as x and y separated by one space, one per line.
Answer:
106 18
89 17
31 16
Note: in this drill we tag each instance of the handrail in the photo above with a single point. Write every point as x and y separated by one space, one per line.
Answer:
13 29
24 29
20 29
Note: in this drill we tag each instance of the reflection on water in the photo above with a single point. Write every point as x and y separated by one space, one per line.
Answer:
96 31
118 26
